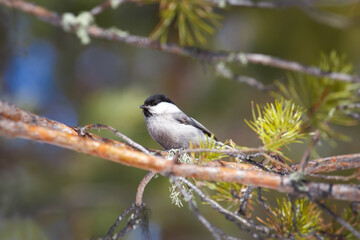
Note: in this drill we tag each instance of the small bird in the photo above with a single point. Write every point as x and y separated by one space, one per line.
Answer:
169 126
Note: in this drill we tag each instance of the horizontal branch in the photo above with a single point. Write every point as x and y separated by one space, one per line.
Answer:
197 53
310 8
279 4
15 122
334 163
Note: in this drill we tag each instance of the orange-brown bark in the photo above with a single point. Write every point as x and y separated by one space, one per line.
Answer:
15 122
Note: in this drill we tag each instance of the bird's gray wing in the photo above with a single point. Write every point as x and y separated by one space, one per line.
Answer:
185 119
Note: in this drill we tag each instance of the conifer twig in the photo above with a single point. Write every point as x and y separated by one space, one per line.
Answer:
100 8
308 7
244 223
188 198
278 4
306 156
83 130
140 191
118 220
196 53
134 221
15 122
339 219
262 202
244 199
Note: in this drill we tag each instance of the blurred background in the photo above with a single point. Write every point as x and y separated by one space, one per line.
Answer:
51 193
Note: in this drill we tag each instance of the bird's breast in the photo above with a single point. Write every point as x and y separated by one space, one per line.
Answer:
171 134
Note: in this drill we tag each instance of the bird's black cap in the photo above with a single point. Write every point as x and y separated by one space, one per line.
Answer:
156 99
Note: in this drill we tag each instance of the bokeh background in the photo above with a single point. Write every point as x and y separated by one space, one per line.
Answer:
51 193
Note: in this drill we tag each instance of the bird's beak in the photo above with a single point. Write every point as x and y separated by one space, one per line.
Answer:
142 107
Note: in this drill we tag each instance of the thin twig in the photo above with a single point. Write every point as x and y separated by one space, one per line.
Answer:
229 215
132 143
339 219
188 198
276 161
199 54
134 221
305 158
349 106
223 71
337 178
279 3
263 203
15 122
100 8
235 153
140 191
334 163
355 207
244 199
118 220
294 212
308 7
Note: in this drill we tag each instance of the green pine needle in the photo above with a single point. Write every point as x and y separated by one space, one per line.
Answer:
308 219
278 124
325 100
350 217
204 157
193 20
225 192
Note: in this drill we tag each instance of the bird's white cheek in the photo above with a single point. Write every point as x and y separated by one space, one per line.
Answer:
165 107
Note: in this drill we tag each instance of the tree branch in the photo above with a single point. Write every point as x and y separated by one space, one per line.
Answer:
310 8
279 3
188 198
15 122
245 224
305 158
199 54
339 219
140 191
334 163
118 220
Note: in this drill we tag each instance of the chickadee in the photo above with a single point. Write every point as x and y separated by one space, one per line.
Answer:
169 126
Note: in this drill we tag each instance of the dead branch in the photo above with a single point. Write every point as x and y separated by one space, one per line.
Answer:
279 4
246 194
338 219
215 231
188 198
118 220
140 191
55 19
15 122
84 130
334 163
310 8
245 224
305 158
